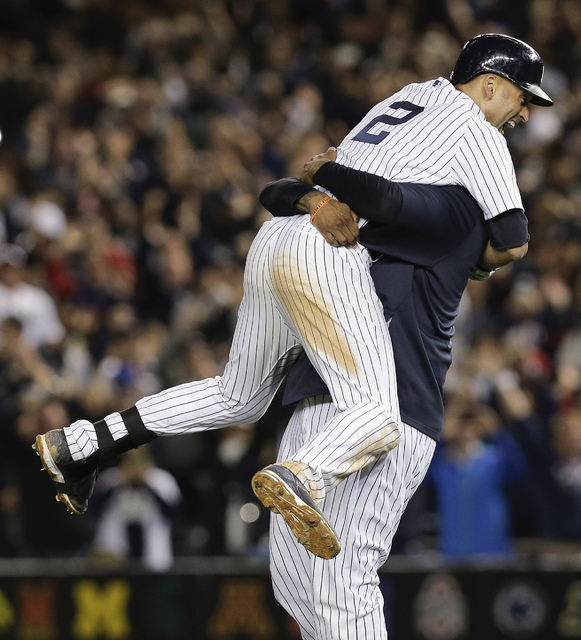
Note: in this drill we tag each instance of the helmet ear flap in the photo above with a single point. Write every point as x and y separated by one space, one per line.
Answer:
505 56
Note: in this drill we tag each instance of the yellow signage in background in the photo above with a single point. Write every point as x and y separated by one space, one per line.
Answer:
7 617
569 623
101 610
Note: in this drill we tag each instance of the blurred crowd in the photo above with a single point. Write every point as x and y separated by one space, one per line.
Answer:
135 139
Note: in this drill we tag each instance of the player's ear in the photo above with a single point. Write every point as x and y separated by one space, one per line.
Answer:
489 85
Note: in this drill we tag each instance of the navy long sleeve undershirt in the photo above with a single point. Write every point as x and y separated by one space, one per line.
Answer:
388 203
372 197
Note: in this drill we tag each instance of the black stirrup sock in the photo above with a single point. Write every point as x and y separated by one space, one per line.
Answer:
137 435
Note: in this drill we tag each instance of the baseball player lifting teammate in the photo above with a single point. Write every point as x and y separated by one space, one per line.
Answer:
420 279
340 599
303 294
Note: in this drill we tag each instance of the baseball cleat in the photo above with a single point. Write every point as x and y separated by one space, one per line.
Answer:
74 481
282 492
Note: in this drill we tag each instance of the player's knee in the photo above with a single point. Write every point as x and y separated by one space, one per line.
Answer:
388 438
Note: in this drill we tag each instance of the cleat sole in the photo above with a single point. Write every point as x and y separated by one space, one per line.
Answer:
49 465
308 525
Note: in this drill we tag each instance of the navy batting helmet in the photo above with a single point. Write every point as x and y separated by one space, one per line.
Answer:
505 56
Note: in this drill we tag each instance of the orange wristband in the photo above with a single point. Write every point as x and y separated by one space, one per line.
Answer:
321 204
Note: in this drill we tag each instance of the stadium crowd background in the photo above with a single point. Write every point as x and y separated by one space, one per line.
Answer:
136 137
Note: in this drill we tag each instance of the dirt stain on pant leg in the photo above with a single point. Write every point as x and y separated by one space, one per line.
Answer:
368 450
311 313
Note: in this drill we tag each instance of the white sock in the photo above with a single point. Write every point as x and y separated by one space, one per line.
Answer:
82 439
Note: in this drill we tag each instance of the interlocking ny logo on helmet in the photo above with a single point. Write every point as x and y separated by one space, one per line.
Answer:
505 56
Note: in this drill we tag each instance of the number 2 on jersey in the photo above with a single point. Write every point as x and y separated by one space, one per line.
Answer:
376 138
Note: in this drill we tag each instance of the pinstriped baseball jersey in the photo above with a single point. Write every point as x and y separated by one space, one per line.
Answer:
431 133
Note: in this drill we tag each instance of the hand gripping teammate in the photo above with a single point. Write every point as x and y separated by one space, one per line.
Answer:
296 298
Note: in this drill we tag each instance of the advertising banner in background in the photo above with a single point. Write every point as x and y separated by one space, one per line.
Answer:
442 604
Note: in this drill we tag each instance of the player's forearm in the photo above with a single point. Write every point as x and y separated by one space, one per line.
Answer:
495 258
371 196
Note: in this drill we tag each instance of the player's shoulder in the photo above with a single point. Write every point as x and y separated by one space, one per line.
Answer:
435 91
479 126
469 117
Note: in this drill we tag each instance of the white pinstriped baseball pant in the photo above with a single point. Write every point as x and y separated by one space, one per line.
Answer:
340 599
299 292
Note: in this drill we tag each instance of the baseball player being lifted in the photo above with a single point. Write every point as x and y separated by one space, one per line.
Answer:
301 293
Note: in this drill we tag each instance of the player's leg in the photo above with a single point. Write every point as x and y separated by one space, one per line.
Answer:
263 348
290 562
366 510
330 301
290 572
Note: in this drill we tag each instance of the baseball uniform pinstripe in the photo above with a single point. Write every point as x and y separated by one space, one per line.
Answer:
431 133
298 293
324 299
341 598
428 133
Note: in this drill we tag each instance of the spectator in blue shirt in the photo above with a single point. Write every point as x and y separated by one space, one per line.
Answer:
471 472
